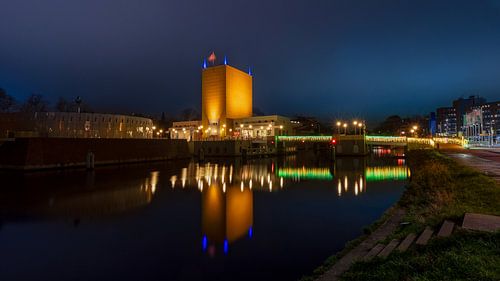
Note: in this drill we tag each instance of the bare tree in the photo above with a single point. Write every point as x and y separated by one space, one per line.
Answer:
190 114
62 105
35 103
7 102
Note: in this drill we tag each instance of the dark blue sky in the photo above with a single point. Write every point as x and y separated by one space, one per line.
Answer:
327 58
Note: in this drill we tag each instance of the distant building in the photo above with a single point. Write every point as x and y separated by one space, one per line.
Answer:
482 124
189 130
74 125
432 124
306 125
262 126
446 121
226 94
464 105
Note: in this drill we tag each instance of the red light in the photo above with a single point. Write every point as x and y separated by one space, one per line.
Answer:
334 141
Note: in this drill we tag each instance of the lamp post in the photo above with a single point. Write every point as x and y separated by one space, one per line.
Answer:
338 127
345 128
355 123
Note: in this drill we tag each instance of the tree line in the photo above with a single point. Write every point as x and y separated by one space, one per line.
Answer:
37 103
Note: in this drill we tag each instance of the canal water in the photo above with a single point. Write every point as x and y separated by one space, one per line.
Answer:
223 219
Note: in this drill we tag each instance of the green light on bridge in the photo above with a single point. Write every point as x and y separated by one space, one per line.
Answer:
306 173
386 173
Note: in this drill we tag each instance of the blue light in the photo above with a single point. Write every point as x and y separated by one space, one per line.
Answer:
204 63
225 60
204 243
249 71
250 232
226 246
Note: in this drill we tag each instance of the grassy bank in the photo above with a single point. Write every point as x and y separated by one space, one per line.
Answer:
441 189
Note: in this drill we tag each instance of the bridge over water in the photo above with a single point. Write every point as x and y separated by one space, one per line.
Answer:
372 140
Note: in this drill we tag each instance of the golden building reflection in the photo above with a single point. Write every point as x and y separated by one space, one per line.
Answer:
227 215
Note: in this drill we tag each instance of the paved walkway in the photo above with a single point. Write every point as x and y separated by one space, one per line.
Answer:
485 160
343 264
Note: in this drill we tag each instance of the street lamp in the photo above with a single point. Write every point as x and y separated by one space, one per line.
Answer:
345 128
338 127
355 123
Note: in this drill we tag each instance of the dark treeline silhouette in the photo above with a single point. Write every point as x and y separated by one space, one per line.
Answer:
7 102
37 103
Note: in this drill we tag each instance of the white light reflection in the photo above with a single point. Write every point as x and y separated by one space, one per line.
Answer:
154 180
172 180
184 177
231 174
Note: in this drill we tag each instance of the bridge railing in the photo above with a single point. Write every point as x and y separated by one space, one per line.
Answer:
374 139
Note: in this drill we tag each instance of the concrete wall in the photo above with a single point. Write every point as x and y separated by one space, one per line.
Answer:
46 153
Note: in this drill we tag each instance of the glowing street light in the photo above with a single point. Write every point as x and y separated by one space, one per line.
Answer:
345 128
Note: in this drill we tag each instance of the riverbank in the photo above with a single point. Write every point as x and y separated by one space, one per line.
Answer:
59 153
440 189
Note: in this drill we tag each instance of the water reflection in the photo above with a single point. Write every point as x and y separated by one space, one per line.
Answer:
227 187
227 215
37 196
190 217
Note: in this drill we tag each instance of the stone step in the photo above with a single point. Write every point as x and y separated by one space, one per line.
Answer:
389 248
423 239
407 242
481 222
373 252
446 229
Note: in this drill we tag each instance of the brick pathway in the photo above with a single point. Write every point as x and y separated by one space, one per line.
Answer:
343 264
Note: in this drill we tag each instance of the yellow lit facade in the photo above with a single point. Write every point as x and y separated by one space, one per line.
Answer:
226 95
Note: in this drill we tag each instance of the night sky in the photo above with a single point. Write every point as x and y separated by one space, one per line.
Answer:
329 58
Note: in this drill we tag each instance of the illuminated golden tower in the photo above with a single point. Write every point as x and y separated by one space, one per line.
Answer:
226 94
